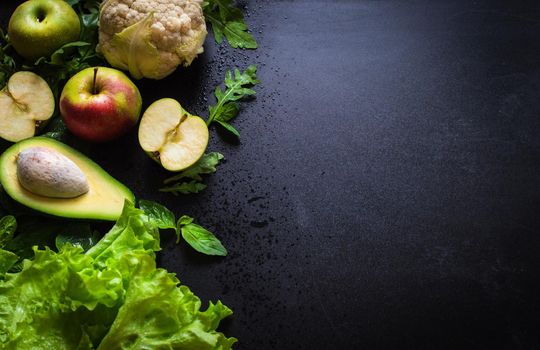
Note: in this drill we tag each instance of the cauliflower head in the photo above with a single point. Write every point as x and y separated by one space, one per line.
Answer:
150 38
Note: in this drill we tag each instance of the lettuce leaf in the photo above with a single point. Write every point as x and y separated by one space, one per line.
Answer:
111 297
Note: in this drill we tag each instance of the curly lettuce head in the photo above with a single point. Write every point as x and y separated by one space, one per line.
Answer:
151 38
112 296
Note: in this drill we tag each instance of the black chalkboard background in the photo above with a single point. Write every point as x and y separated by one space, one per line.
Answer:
385 191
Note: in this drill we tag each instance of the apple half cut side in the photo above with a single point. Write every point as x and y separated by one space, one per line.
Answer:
172 136
26 104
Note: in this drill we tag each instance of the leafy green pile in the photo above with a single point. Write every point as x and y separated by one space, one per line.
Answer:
110 297
108 293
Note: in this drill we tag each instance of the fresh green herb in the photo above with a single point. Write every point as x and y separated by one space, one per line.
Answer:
8 65
228 20
184 188
158 214
199 238
74 56
7 261
56 129
206 165
8 226
88 11
196 236
64 63
238 87
83 237
33 230
106 297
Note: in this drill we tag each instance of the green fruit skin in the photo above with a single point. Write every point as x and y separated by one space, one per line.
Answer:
62 207
39 27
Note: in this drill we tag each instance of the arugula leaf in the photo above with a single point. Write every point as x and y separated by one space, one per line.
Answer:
229 128
206 165
228 21
184 188
158 214
199 238
238 87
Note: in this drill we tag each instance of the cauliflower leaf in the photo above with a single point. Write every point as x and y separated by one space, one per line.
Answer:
132 50
151 39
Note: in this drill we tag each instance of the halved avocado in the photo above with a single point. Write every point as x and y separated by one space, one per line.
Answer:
103 201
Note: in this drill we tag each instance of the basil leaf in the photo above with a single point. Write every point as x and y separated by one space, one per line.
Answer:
158 214
199 238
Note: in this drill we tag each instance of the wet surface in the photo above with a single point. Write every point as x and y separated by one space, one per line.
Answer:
385 190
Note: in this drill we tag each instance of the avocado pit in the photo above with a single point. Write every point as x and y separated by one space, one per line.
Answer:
48 173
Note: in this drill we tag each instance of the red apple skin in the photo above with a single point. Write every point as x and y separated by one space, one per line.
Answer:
103 110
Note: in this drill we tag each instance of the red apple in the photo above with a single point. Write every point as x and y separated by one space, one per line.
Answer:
100 104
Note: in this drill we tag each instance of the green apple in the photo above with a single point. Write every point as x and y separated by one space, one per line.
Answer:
100 104
172 136
39 27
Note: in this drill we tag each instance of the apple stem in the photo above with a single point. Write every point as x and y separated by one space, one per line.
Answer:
94 90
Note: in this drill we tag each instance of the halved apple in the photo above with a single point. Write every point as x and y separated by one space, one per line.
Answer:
26 103
172 136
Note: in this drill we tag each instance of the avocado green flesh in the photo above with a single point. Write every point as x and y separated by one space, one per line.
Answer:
104 200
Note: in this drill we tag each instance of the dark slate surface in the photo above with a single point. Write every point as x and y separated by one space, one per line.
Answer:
385 190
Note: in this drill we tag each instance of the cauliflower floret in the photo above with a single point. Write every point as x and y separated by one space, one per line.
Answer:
150 38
